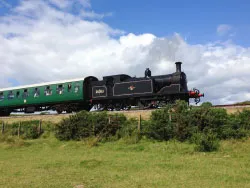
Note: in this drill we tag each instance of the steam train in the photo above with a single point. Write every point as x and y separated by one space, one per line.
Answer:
115 92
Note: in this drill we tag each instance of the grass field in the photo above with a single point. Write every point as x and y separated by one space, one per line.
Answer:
47 162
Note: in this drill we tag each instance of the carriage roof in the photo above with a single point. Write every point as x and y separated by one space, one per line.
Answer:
41 84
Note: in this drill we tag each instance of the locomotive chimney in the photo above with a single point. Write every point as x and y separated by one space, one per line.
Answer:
178 66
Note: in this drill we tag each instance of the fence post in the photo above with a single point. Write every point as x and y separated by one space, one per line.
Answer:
109 119
2 127
40 127
139 124
19 128
170 117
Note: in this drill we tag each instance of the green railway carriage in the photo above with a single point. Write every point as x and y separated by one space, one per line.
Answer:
67 95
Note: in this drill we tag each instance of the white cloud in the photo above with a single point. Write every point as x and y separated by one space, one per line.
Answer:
223 29
85 3
68 3
42 43
61 3
93 15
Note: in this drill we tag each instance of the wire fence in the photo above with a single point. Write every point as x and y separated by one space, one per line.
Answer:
25 129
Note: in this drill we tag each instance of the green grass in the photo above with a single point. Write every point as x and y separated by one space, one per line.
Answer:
47 162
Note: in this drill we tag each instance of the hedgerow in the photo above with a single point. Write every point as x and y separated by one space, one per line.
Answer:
203 126
25 129
183 123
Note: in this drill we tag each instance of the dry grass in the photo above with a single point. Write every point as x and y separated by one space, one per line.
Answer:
232 110
50 118
145 114
56 118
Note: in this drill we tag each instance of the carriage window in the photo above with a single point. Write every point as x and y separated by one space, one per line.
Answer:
69 87
36 92
48 91
1 96
18 94
25 93
77 88
60 89
11 95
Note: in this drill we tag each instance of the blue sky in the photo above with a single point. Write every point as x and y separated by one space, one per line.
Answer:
195 20
48 40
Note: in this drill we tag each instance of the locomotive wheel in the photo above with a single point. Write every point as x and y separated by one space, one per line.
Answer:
118 107
4 114
140 105
127 107
59 111
110 109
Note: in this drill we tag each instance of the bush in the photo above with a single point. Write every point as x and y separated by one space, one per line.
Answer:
218 121
187 121
206 142
78 126
234 128
160 126
182 127
244 119
172 122
89 124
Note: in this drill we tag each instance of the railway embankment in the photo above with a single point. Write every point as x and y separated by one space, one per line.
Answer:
145 114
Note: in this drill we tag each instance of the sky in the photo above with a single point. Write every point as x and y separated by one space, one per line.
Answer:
47 40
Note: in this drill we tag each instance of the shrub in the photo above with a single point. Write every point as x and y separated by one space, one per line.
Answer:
244 119
171 122
182 127
234 128
89 124
206 142
77 126
160 126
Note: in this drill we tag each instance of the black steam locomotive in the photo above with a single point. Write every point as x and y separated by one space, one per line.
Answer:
122 91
